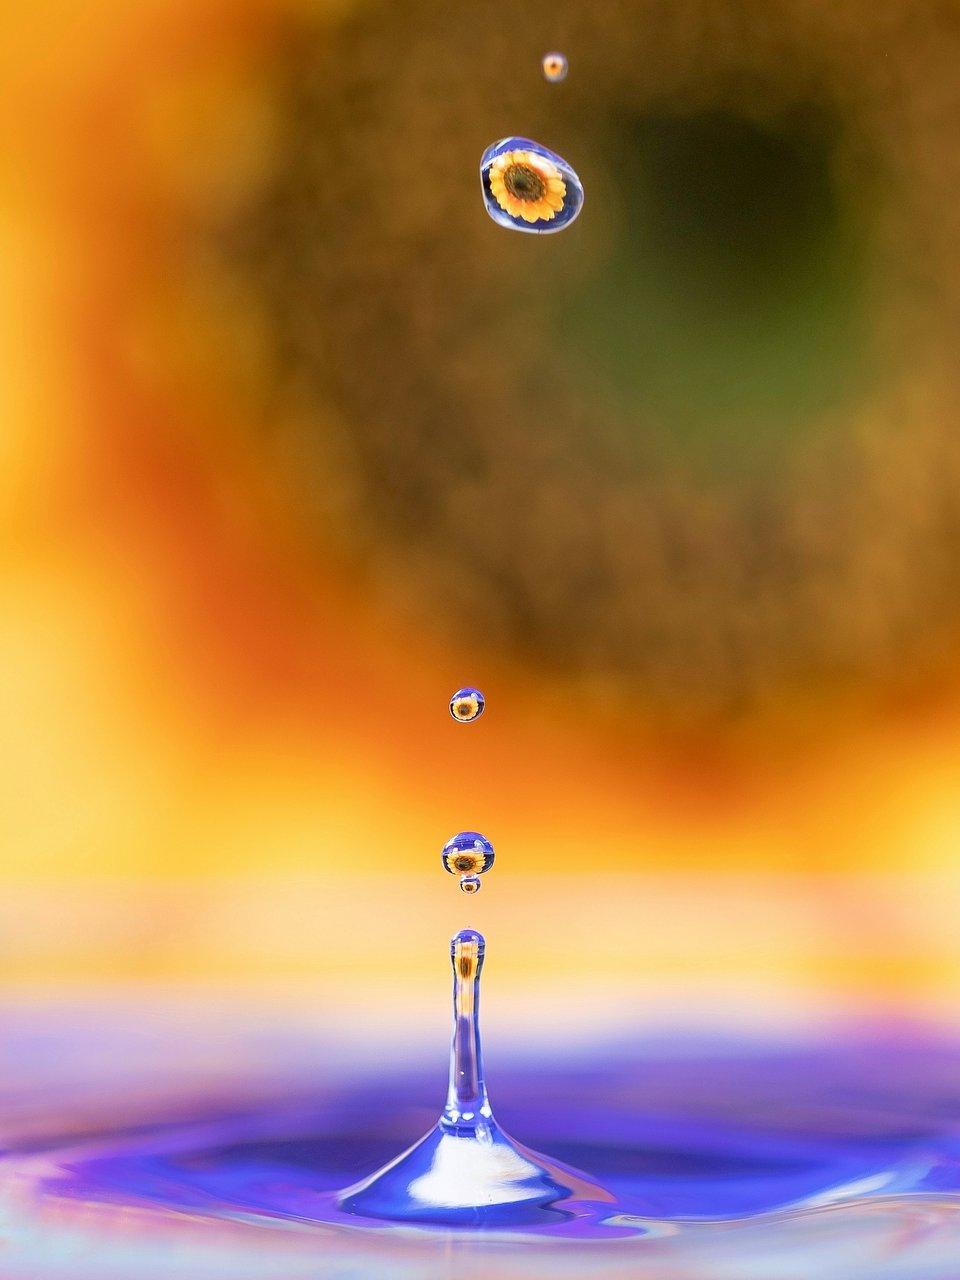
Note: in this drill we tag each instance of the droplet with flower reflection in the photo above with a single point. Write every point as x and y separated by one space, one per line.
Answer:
468 855
467 705
529 188
554 67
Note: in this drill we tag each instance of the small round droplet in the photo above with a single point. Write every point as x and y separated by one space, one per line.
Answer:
467 705
467 854
529 188
554 67
470 884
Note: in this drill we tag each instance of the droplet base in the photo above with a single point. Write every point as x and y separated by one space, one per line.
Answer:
478 1177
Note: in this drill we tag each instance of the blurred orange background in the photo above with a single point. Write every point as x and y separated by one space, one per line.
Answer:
225 755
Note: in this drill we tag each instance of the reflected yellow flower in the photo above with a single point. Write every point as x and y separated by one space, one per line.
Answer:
527 186
464 863
466 708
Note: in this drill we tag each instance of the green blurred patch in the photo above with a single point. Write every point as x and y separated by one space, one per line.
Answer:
728 308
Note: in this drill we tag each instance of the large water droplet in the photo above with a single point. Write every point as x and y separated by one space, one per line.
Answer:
467 704
529 188
468 853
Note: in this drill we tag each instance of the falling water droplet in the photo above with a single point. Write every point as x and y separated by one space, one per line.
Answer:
554 67
467 705
470 884
468 853
529 188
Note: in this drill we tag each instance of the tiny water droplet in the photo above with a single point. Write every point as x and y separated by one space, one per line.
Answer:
467 704
470 884
555 67
529 188
467 854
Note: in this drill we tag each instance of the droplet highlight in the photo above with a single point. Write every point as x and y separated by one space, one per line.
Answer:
468 853
555 67
467 705
527 187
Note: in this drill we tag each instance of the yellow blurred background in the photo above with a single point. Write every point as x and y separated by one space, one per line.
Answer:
296 442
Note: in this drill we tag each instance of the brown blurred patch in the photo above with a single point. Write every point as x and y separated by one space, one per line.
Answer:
422 389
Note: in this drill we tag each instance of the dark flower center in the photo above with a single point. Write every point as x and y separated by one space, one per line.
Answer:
464 863
523 182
